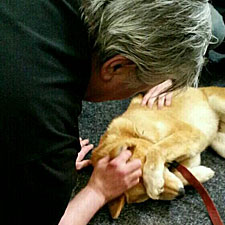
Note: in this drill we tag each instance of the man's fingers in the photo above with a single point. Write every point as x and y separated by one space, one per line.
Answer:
151 102
133 165
165 85
82 164
135 175
134 178
134 182
122 157
162 87
84 142
168 83
84 151
169 98
148 95
152 95
87 149
161 100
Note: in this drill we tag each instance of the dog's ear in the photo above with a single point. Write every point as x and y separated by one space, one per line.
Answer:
116 205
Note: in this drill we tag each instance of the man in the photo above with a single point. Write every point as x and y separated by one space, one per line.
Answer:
51 60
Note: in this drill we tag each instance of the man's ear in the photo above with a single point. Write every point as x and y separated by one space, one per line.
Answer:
115 66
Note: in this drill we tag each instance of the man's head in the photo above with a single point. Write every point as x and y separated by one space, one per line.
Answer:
138 44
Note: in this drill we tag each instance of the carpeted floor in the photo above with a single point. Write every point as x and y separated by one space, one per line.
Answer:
188 210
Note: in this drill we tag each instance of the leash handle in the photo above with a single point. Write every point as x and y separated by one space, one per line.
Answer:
211 208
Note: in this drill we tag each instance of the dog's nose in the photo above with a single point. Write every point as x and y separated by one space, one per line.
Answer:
181 192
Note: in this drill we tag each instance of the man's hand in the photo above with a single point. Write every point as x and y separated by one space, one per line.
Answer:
154 94
112 178
85 148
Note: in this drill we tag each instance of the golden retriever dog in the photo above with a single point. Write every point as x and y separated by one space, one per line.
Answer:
194 121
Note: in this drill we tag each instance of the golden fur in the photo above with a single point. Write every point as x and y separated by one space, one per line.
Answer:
194 121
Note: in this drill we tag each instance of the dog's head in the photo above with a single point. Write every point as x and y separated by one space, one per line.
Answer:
122 133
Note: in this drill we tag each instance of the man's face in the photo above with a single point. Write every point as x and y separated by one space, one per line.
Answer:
99 92
109 83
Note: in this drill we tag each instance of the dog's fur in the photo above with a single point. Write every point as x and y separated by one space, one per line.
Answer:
194 121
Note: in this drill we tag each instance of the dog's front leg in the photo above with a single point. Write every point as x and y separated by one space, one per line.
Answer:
178 146
153 174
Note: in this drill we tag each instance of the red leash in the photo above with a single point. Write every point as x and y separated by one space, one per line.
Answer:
213 213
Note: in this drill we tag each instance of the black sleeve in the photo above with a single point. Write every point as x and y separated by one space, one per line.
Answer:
44 70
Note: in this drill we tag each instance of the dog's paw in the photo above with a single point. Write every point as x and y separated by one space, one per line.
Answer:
154 182
156 189
202 174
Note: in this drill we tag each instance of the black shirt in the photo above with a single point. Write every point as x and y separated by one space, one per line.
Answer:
45 66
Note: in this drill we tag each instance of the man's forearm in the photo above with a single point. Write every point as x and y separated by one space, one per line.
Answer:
82 207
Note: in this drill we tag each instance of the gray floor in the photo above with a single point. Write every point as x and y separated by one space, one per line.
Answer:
188 210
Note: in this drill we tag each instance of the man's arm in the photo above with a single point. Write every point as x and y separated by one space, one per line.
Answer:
82 207
109 179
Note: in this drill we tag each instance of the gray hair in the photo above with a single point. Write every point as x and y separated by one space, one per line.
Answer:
166 39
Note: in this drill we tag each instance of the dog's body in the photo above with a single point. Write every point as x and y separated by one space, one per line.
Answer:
180 132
